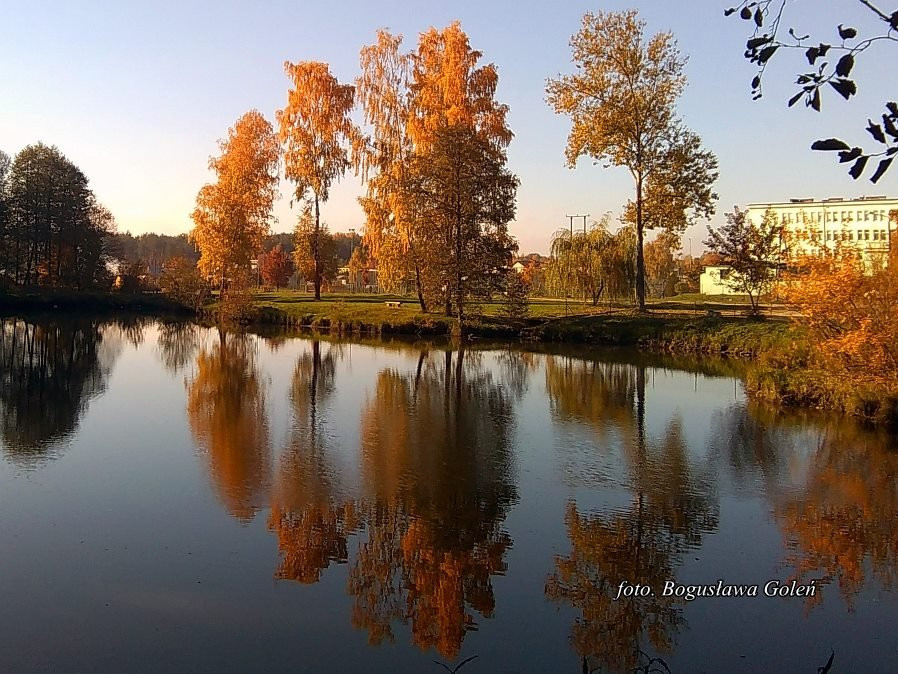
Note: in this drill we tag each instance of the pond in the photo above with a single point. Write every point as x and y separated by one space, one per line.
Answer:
173 498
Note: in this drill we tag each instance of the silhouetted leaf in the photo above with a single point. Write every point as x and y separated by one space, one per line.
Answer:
846 88
756 42
881 169
759 18
830 144
812 53
846 33
858 168
844 66
794 99
891 129
729 11
745 13
823 48
876 131
893 20
853 153
893 108
815 100
756 82
829 663
766 53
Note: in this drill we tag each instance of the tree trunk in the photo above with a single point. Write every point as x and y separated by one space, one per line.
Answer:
316 252
640 258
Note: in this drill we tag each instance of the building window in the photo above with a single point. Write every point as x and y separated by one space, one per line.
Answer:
876 235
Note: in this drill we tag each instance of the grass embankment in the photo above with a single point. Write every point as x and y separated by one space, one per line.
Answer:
89 301
780 366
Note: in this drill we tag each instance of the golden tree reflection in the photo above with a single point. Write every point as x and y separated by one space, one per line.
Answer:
673 505
839 517
843 523
227 412
437 464
310 524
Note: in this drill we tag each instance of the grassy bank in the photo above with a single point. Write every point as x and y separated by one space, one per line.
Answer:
92 302
779 366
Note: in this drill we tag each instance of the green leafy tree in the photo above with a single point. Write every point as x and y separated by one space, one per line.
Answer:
515 302
181 280
622 103
55 227
753 251
831 59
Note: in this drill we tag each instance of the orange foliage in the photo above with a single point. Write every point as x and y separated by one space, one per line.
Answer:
232 215
851 312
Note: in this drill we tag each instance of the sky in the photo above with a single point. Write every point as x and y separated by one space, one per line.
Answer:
137 94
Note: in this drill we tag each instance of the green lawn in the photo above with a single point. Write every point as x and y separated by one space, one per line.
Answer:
371 308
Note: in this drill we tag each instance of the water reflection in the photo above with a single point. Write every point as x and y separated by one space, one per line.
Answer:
833 488
310 523
49 370
177 343
226 409
437 467
672 504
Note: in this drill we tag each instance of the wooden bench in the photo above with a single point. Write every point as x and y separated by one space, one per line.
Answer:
393 305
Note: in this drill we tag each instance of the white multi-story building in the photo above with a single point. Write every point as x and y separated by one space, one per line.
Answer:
863 223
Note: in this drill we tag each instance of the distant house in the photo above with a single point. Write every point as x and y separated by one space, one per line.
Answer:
532 261
718 280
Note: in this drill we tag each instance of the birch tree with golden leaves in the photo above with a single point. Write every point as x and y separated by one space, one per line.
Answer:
382 158
316 129
622 102
232 215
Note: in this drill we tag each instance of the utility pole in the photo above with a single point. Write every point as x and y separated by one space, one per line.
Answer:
571 219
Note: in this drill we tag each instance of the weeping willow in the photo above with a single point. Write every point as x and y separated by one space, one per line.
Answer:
594 264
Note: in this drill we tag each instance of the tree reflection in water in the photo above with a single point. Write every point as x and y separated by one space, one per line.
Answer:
840 519
310 516
673 504
49 370
437 463
226 409
177 343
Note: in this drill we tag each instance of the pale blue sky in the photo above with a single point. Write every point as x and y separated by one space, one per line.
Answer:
137 94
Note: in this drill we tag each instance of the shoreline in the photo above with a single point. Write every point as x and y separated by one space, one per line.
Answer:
773 352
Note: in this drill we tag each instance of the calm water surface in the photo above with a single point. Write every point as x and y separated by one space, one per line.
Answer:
175 499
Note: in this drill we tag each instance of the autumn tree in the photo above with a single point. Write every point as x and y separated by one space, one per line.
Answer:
382 157
660 264
851 314
679 191
774 34
315 127
753 251
414 103
314 250
622 104
276 267
467 197
593 264
182 281
232 215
